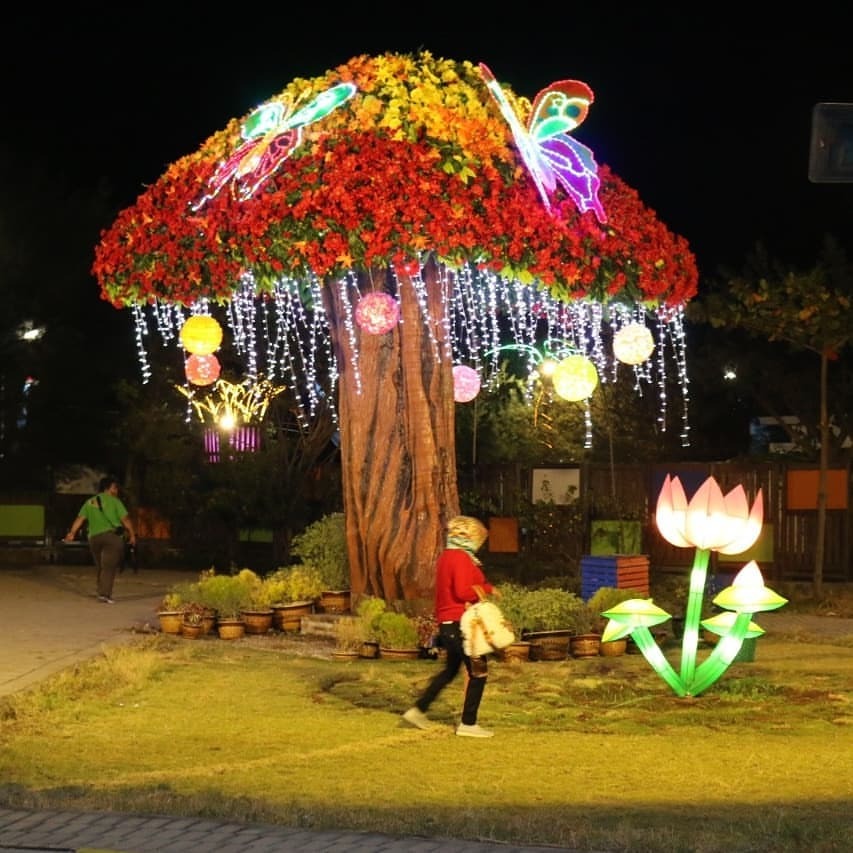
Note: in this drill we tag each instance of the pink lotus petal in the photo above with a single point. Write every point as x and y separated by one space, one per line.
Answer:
670 512
749 531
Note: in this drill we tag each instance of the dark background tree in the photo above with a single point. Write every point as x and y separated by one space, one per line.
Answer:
810 314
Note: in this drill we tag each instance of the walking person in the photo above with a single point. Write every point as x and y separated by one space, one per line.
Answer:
458 575
107 520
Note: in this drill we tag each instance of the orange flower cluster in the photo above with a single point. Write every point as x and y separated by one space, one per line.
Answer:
419 160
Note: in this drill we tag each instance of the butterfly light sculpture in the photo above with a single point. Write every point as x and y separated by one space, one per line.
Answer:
270 134
552 157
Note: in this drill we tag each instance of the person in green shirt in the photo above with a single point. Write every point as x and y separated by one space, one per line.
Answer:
105 515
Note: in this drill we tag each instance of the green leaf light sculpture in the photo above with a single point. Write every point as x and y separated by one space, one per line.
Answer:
709 522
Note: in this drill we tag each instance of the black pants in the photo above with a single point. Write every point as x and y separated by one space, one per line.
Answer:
450 639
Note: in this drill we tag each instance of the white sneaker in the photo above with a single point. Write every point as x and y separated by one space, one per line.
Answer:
417 718
473 731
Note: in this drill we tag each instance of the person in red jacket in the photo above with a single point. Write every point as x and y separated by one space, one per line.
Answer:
458 576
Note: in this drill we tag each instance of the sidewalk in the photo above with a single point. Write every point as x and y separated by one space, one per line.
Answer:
66 832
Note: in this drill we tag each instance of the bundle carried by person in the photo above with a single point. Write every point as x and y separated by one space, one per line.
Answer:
484 628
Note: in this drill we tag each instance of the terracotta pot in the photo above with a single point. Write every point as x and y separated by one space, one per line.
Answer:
584 645
288 617
335 601
231 629
515 652
369 649
345 654
170 621
190 631
257 621
613 647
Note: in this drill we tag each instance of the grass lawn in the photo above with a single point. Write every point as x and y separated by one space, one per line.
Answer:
593 753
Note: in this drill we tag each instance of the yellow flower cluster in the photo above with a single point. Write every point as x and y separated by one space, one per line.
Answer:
406 98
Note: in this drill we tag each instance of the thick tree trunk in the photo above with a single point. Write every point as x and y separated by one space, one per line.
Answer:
398 451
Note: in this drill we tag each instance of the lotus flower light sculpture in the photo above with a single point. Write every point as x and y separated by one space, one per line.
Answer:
710 521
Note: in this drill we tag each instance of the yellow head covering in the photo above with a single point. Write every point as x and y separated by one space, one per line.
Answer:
466 533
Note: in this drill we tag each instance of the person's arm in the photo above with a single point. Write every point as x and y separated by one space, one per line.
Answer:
73 530
128 526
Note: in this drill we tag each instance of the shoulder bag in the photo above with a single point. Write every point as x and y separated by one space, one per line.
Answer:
484 628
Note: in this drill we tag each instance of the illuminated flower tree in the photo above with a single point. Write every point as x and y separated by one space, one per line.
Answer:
477 212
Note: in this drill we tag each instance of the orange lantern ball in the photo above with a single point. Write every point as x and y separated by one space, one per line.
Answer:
201 335
202 369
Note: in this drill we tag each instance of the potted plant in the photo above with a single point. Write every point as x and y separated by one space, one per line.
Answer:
585 637
511 603
257 611
368 610
192 620
170 613
323 545
350 635
292 591
545 617
227 595
397 635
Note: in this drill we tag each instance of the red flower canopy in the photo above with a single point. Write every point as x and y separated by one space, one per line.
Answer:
414 158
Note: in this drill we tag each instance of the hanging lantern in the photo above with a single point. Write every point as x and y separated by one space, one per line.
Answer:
575 378
202 369
466 383
377 313
201 335
633 344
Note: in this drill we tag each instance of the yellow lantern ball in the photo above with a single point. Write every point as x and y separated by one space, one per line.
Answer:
633 344
201 335
575 378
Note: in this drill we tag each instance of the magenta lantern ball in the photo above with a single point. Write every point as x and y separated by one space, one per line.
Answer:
466 383
377 313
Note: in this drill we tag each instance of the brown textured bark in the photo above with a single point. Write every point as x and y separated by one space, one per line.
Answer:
398 451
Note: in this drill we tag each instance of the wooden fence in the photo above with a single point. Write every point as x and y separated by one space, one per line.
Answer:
789 491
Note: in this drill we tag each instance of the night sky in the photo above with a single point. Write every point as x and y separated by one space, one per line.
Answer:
709 121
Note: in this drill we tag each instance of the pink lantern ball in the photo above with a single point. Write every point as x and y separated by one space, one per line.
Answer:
377 313
202 369
466 383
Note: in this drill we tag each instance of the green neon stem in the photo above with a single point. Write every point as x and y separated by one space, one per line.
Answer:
652 653
720 659
690 641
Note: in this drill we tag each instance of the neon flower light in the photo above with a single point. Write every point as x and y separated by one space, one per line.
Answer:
466 383
271 133
377 313
709 522
552 157
230 404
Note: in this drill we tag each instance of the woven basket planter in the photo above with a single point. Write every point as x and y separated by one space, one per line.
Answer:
548 645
